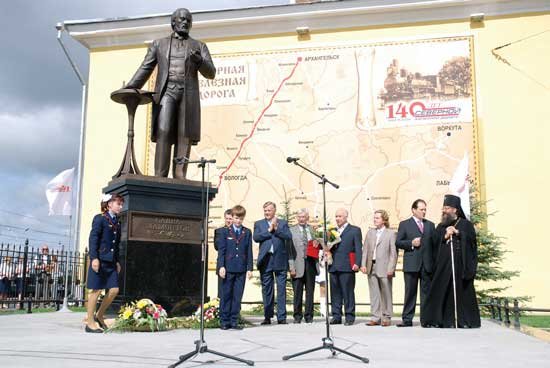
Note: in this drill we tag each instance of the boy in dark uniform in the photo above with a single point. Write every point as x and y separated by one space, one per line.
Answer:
228 220
234 263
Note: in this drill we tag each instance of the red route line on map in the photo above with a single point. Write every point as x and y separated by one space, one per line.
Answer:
258 121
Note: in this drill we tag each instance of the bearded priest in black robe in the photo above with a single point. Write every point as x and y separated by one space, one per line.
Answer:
439 309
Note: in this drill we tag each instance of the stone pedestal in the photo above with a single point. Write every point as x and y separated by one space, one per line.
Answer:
160 248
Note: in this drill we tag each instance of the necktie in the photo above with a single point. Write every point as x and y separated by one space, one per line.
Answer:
304 239
421 226
271 249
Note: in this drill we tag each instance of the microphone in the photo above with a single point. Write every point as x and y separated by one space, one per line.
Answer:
212 161
181 160
292 159
202 160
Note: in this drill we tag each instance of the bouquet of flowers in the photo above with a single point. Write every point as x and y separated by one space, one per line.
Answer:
333 238
211 312
141 315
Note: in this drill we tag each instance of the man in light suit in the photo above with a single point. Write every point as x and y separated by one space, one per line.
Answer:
414 237
272 234
346 260
378 262
176 116
303 268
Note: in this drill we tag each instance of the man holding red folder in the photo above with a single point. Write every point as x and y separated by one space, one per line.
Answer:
346 257
303 265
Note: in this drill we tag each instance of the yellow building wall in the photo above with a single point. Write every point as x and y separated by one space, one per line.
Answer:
513 125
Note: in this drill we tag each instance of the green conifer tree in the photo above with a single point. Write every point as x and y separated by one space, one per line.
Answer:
490 252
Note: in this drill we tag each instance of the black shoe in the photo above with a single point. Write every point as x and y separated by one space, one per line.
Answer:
101 324
91 330
309 320
236 327
335 321
349 323
266 321
224 327
404 324
297 321
282 322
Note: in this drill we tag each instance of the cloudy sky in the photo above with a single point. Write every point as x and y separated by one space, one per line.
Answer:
40 101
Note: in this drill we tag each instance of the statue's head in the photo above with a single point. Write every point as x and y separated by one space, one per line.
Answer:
182 20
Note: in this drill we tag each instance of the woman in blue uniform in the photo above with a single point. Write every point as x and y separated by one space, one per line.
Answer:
104 266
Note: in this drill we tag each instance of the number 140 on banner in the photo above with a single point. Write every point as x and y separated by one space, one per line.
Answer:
421 110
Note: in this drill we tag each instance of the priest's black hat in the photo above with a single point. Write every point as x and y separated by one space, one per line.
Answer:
454 201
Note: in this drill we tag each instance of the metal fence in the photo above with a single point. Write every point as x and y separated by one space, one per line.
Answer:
35 277
501 309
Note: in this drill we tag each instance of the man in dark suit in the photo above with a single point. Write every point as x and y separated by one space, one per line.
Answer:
176 102
414 237
346 260
228 220
235 263
273 235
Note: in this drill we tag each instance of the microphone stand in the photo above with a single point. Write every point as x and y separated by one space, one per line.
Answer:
328 343
200 345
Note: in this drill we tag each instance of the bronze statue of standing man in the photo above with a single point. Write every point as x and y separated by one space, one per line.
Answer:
176 116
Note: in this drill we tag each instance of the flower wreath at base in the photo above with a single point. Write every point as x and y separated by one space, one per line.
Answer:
141 315
146 316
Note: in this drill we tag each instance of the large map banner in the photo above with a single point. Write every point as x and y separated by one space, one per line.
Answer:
388 121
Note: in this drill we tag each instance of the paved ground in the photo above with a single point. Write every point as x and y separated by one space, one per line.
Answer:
58 340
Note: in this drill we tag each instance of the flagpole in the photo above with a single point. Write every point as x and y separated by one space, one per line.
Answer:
65 307
60 27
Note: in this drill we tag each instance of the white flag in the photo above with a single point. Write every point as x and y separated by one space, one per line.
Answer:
59 192
460 185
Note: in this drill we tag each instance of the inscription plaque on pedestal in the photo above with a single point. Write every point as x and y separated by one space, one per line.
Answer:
155 227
